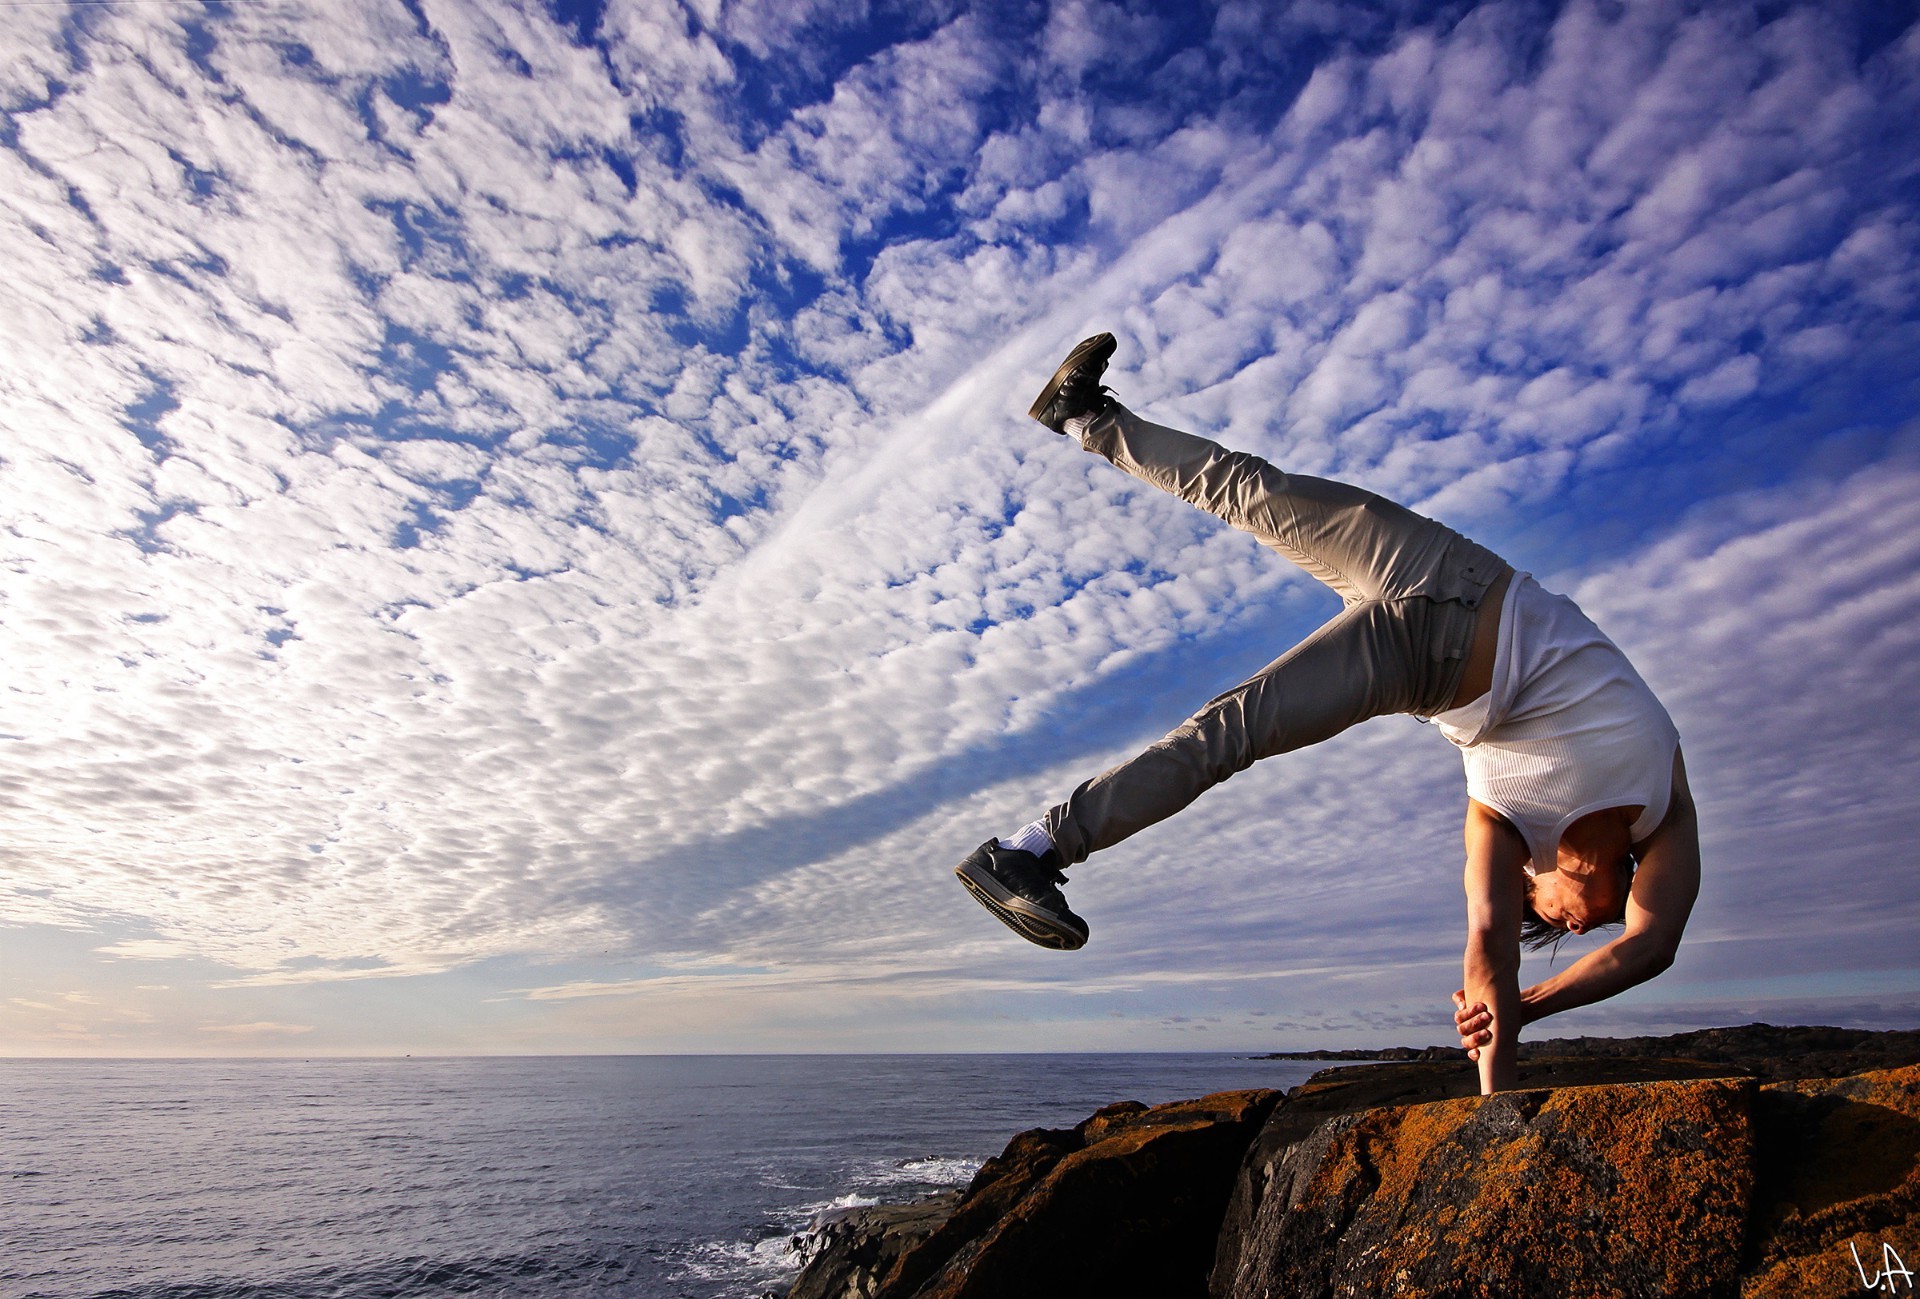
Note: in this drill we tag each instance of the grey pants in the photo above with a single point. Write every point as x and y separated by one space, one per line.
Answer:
1412 588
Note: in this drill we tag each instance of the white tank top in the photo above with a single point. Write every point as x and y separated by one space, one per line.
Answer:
1568 727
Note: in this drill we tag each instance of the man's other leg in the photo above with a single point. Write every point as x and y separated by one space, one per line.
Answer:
1373 658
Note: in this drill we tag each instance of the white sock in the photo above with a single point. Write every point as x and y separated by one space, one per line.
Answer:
1032 837
1076 428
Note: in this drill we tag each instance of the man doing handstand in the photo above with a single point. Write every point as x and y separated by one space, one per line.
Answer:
1578 812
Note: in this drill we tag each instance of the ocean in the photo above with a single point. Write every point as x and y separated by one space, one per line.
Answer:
651 1177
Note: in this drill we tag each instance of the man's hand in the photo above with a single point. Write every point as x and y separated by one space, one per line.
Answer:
1474 1022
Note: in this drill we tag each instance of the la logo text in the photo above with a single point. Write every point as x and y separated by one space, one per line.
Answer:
1892 1270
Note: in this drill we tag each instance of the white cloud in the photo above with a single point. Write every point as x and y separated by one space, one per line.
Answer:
259 1028
474 494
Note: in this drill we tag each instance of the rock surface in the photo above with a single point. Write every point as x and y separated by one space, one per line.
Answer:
1838 1172
1701 1188
1635 1190
1748 1162
850 1252
1129 1202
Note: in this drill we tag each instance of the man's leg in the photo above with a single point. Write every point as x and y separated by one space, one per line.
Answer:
1364 546
1373 658
1411 586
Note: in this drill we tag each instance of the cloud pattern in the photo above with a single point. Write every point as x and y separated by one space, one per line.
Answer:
487 486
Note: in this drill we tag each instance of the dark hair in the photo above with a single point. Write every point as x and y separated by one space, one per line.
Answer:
1536 934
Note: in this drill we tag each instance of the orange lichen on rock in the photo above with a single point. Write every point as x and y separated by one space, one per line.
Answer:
1389 1180
1838 1181
1633 1190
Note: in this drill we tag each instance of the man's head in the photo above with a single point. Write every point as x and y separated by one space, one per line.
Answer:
1588 885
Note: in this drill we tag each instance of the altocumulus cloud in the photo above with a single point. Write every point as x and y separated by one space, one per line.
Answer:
483 482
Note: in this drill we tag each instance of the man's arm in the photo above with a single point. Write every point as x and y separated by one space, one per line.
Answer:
1664 889
1496 896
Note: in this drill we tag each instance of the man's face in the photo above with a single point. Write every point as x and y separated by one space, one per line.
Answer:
1579 896
1594 869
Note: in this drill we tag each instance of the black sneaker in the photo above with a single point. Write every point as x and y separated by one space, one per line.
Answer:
1021 889
1075 387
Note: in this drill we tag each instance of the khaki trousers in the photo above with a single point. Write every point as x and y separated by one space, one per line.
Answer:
1412 588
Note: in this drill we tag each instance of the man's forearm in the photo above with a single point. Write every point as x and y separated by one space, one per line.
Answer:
1494 982
1624 963
1496 896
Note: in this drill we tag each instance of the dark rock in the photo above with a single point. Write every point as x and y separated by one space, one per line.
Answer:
848 1252
1384 1053
1127 1203
1759 1050
1000 1185
1134 1211
1762 1050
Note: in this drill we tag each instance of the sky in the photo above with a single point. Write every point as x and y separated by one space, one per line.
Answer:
519 531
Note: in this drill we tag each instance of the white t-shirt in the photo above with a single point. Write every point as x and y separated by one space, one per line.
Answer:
1567 728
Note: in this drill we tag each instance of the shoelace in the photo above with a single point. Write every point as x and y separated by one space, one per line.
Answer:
1072 395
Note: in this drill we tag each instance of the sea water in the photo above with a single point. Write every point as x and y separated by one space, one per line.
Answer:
656 1177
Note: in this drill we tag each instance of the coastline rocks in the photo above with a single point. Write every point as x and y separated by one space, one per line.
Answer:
1756 1162
850 1251
1128 1202
1764 1051
1701 1188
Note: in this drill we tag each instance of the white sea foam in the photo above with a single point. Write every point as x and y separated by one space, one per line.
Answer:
766 1259
814 1212
938 1170
895 1179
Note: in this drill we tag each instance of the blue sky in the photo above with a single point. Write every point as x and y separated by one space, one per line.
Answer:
518 531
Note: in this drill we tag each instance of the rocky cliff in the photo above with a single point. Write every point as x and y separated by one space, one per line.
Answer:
1128 1202
1703 1165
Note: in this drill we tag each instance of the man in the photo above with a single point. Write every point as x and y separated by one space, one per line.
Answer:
1578 811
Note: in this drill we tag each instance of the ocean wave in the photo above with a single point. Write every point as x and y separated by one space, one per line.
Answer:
770 1257
812 1212
752 1263
773 1259
935 1170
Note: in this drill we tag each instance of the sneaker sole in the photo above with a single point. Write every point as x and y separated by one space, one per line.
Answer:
1100 347
1018 914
